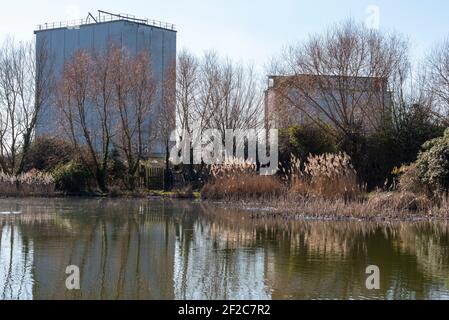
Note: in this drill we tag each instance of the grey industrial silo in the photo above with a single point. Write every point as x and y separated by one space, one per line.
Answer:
62 40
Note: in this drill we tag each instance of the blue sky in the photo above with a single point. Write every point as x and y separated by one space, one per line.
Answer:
245 30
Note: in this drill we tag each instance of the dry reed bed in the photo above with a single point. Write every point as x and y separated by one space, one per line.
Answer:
236 179
27 184
322 187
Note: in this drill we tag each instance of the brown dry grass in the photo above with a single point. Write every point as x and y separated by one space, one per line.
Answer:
389 206
31 183
236 180
323 186
329 176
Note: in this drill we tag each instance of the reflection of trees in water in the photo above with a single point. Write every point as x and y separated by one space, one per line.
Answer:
16 262
429 243
176 249
319 259
124 249
207 267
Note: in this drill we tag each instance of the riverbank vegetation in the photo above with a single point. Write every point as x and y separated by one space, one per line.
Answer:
32 183
349 149
323 194
327 186
355 152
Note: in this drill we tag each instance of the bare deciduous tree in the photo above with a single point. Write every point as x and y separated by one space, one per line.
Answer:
167 114
230 98
438 78
85 104
238 102
134 88
187 81
26 82
409 96
215 93
340 80
105 100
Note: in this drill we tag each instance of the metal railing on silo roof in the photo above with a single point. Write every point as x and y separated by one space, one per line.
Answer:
102 17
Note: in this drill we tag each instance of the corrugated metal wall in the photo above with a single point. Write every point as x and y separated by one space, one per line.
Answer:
62 43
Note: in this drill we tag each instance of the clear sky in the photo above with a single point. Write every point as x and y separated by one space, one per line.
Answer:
245 30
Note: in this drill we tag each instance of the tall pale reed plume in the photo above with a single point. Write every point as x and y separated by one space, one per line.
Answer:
239 180
329 176
33 182
321 186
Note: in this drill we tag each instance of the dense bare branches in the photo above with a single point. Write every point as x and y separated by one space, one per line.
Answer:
85 111
105 101
104 96
26 81
134 93
230 97
341 77
438 77
187 83
216 93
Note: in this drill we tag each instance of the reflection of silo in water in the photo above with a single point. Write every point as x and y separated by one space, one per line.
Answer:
124 250
132 259
16 263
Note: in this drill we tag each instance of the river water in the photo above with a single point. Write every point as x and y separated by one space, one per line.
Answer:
155 249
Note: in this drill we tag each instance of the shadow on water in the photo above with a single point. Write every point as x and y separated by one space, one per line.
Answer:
136 249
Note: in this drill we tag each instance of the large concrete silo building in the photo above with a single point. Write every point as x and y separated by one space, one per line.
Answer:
63 39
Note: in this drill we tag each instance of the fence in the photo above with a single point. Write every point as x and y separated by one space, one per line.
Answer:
104 17
152 178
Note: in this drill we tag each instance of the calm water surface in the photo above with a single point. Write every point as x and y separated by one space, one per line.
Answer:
133 249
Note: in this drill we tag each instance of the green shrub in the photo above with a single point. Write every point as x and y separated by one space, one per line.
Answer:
303 141
433 164
46 154
71 177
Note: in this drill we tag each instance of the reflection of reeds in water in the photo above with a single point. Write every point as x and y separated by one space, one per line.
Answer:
336 237
308 256
28 212
140 249
320 236
428 242
71 216
123 247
